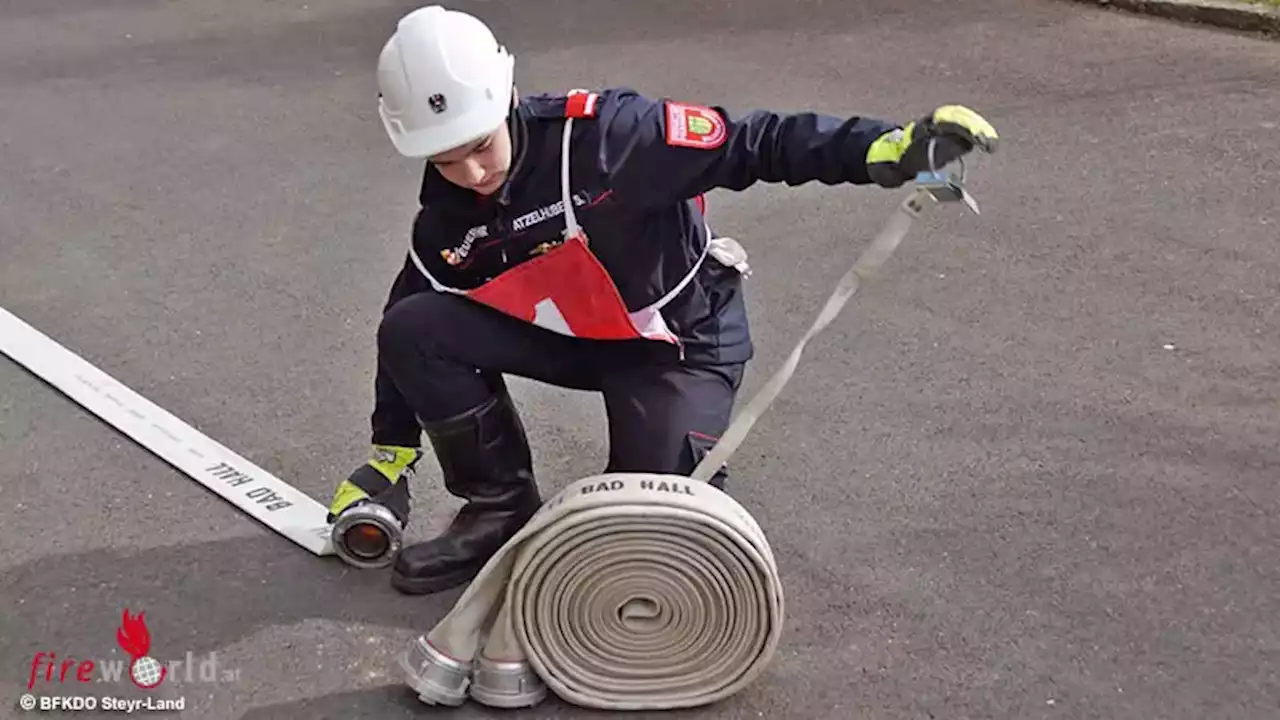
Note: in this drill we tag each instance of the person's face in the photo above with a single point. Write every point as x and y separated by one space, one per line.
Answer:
480 166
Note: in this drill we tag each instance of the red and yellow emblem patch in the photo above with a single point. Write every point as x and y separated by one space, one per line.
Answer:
695 126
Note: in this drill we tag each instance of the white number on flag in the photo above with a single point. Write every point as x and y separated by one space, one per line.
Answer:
547 315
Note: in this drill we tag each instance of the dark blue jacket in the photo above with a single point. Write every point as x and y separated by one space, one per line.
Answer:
634 193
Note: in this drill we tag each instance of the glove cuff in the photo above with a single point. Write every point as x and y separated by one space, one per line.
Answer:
394 461
889 148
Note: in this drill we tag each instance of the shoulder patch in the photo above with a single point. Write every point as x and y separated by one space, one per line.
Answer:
695 126
581 104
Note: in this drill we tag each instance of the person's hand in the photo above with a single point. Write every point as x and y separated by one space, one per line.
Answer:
384 479
899 155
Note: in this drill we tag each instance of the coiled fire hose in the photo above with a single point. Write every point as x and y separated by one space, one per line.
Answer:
632 591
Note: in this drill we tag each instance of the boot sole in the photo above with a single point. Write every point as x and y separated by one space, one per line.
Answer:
433 584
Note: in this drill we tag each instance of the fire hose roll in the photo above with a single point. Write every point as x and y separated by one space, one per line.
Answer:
626 591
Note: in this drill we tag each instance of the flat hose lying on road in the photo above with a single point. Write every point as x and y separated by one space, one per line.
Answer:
633 591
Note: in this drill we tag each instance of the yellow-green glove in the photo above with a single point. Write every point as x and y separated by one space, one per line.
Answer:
899 155
384 479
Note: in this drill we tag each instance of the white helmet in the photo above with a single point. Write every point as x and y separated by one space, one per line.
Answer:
443 81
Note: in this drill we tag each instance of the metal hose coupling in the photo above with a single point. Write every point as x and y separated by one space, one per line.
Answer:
507 684
441 680
367 535
437 678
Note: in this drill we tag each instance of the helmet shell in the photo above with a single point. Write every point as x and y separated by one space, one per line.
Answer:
443 81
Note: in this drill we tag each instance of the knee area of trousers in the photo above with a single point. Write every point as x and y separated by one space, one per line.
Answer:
409 322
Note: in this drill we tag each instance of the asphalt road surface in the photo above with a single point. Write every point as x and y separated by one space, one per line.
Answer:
1031 473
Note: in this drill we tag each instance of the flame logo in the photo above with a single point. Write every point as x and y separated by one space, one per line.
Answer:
135 639
133 635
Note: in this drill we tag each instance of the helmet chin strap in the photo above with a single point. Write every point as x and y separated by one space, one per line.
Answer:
519 135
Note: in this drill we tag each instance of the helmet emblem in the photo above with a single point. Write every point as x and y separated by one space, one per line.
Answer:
438 103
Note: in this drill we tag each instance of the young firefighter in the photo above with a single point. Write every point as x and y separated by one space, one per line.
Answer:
562 238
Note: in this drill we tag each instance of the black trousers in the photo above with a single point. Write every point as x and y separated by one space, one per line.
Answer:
446 355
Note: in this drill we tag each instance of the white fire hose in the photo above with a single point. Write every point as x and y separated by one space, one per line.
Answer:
633 591
624 592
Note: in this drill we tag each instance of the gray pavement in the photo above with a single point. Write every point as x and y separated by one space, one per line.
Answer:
1031 473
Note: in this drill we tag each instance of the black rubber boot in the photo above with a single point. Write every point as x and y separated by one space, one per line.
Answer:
485 459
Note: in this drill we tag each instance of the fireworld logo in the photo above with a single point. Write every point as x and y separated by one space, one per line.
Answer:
144 671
